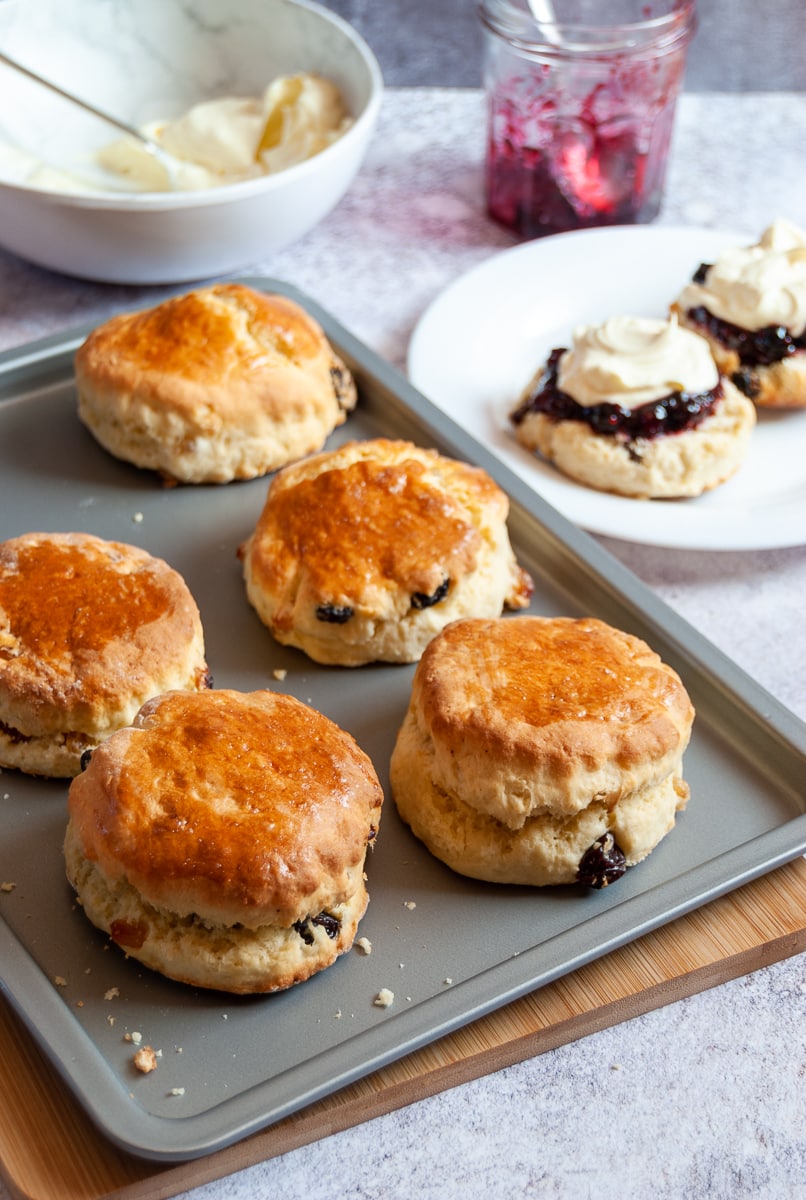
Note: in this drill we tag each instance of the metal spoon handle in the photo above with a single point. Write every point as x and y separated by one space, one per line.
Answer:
90 108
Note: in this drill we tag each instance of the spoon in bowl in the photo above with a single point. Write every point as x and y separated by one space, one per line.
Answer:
165 161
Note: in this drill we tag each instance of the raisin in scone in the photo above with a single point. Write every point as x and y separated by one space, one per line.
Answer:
221 839
222 383
541 750
750 304
637 407
89 630
362 554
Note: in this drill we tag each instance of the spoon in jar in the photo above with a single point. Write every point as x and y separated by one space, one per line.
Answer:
543 13
170 167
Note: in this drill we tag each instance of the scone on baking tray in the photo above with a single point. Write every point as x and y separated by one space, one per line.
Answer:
222 383
751 306
541 750
89 630
637 407
221 839
363 553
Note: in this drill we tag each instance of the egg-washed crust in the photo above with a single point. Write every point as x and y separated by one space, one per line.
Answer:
535 714
221 839
241 808
528 738
224 382
89 630
363 553
779 384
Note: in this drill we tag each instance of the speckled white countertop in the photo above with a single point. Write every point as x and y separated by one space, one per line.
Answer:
701 1100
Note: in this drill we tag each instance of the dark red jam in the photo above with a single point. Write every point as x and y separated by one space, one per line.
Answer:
602 863
755 347
671 414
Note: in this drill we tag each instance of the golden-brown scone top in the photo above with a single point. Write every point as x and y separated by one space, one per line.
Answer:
224 382
89 630
533 713
362 553
245 809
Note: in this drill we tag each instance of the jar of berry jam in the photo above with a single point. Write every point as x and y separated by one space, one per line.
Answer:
581 97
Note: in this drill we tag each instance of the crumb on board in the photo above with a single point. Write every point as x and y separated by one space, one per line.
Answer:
364 945
137 518
177 1091
279 673
145 1060
60 981
7 887
134 1037
409 904
384 999
111 993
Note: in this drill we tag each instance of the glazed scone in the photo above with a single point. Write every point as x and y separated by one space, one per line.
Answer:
363 553
89 630
221 839
222 383
541 750
750 304
636 407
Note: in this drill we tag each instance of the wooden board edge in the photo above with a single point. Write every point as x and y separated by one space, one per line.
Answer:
775 902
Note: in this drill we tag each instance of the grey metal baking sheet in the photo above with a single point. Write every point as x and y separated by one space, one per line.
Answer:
449 948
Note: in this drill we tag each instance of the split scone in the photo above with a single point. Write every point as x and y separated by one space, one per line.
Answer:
541 750
89 630
222 383
750 304
221 839
362 554
637 407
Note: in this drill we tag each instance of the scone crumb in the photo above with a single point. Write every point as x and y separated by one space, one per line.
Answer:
7 886
110 1020
409 904
177 1091
111 993
384 999
364 945
134 1037
279 673
79 1003
137 518
447 981
60 981
145 1060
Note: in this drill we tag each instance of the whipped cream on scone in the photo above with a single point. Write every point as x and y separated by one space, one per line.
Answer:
750 304
636 406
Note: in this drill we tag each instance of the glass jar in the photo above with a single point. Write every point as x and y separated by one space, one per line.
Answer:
581 98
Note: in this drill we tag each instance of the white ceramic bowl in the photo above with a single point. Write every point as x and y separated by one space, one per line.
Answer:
149 59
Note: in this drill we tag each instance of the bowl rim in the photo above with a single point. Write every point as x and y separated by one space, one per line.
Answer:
225 193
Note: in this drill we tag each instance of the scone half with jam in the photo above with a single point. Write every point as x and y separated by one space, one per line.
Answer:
750 304
636 406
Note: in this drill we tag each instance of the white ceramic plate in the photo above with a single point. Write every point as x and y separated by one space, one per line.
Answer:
480 341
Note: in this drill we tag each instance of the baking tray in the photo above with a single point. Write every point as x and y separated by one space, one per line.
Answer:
450 949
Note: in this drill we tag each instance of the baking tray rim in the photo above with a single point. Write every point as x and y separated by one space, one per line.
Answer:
157 1137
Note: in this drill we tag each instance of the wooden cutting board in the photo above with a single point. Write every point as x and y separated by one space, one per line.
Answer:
49 1150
